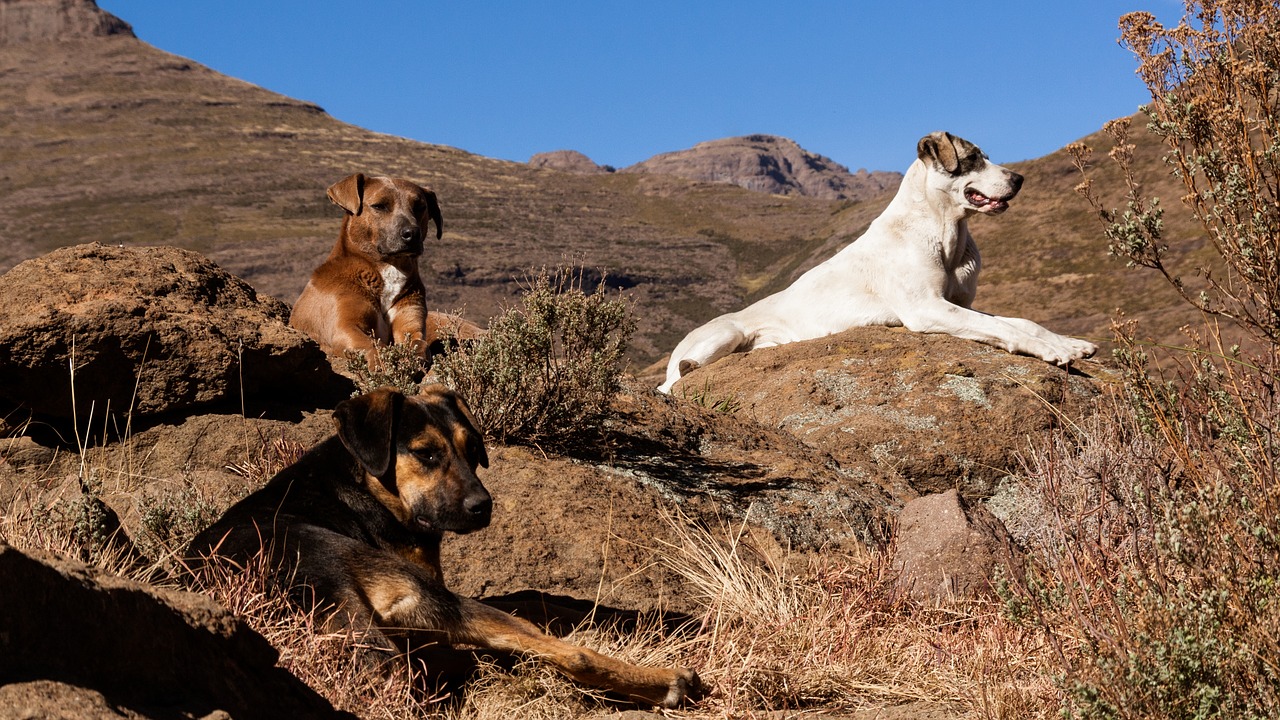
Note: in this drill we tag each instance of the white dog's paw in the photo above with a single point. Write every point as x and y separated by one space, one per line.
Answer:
1084 348
1062 350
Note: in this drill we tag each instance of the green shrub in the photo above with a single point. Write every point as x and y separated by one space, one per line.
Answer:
546 371
170 520
398 366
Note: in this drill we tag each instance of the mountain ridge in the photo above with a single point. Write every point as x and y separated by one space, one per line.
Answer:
762 163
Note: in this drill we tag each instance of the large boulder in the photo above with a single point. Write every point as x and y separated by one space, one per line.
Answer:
934 411
68 634
148 331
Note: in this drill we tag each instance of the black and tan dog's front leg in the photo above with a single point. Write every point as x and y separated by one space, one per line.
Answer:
491 628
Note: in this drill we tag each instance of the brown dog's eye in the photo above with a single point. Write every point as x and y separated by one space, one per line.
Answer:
380 206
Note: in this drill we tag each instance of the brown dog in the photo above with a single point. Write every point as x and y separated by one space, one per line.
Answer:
369 291
356 524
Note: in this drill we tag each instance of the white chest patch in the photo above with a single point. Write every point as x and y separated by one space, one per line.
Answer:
393 281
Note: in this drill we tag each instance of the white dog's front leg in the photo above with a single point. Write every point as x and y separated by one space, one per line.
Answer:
1012 334
1076 345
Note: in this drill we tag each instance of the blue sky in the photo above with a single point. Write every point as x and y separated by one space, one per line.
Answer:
622 81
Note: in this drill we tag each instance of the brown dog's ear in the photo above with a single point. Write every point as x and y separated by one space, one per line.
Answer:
938 146
433 211
348 193
367 427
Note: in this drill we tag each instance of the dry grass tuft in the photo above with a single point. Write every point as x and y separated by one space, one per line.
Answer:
327 661
834 633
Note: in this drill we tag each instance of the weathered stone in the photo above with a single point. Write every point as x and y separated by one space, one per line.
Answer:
949 549
935 411
145 331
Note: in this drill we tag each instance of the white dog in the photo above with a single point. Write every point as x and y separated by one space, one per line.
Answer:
916 266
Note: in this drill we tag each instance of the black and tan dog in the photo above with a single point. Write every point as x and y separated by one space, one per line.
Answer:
359 520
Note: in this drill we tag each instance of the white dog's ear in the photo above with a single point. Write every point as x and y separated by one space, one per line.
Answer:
940 148
348 193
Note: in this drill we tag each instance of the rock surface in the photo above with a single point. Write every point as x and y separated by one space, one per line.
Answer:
150 331
65 628
934 411
770 164
947 549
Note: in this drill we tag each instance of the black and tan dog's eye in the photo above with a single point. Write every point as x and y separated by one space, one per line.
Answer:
427 456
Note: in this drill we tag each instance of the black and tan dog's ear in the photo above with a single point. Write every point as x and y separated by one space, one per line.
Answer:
476 450
433 212
367 427
348 193
940 148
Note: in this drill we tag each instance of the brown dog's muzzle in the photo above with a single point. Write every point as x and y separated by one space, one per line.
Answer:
403 240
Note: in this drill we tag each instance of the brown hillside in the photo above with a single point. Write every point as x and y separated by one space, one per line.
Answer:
109 139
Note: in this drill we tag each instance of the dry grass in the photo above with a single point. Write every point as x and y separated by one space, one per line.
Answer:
327 661
832 632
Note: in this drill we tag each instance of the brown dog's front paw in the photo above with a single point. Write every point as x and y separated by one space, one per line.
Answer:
686 685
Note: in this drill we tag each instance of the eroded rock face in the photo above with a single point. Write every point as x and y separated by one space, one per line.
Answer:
148 331
568 161
949 549
53 20
934 411
770 164
146 648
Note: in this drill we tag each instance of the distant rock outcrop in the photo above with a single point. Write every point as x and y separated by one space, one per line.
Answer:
568 161
51 20
148 330
771 164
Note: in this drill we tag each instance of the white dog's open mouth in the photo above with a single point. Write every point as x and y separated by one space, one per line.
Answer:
986 204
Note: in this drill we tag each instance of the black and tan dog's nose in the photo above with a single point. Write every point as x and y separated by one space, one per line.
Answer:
479 505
